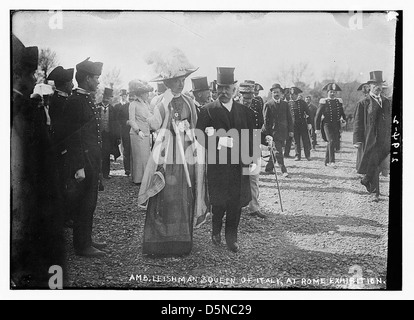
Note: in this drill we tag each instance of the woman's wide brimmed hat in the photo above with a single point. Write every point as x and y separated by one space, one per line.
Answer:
170 64
139 87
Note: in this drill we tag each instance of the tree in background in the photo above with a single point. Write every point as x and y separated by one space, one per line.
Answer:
47 62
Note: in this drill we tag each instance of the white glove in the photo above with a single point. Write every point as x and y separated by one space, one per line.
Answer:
291 134
168 96
318 131
209 131
269 139
309 127
141 134
80 175
225 142
183 126
356 145
252 167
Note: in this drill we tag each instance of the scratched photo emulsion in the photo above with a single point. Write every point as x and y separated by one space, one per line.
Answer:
204 150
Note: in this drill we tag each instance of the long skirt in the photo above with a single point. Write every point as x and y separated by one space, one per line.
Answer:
140 153
168 227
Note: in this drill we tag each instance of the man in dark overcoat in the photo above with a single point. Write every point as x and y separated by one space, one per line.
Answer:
122 110
110 132
312 109
277 124
372 128
228 179
201 92
63 79
84 145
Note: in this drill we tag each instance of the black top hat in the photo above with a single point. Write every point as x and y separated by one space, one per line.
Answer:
225 76
375 77
331 86
295 90
213 86
26 57
199 84
60 74
93 68
276 86
123 92
258 87
108 93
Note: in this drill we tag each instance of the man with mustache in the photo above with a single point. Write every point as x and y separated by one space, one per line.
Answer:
228 183
372 128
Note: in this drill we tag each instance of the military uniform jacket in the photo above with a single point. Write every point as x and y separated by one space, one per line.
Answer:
222 178
372 128
300 112
57 103
84 140
332 111
277 120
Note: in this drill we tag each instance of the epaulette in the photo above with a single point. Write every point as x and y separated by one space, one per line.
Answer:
340 100
322 101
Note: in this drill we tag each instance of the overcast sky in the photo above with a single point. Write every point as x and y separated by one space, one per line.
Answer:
258 45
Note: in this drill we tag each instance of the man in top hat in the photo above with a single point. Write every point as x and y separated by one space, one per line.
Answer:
36 222
122 111
110 132
63 79
312 109
277 124
213 89
332 111
301 123
228 186
247 91
84 145
201 92
372 129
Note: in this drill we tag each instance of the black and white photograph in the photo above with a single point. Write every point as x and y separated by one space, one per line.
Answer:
205 150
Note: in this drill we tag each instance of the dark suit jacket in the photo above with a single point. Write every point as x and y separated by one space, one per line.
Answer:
226 182
56 105
122 117
277 120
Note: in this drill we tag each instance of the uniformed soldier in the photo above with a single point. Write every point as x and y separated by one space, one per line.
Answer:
257 88
84 145
312 109
201 92
301 123
63 79
247 91
332 110
110 132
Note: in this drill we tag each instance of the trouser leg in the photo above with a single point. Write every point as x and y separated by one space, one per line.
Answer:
279 155
254 188
306 141
232 220
217 219
330 147
126 142
298 147
288 146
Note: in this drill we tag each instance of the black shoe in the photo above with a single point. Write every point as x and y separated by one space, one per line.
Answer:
101 187
233 247
308 158
107 177
368 186
216 238
258 214
127 173
297 158
99 245
287 156
90 252
269 171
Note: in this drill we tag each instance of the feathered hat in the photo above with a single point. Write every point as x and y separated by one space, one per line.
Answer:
170 64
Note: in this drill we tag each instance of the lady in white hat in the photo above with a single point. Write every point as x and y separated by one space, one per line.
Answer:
139 112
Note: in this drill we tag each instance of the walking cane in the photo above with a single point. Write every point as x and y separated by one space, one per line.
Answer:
272 152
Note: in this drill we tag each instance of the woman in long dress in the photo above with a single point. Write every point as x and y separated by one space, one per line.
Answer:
139 112
174 184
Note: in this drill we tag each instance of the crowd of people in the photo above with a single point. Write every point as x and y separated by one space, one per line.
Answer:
187 153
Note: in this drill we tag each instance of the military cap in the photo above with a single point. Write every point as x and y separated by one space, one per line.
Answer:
246 87
25 57
199 84
123 92
375 77
108 93
60 74
92 68
225 76
276 86
295 90
331 86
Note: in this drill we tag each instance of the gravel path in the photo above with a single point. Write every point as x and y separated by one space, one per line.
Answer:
329 236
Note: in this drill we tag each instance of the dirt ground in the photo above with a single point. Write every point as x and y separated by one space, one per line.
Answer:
329 236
